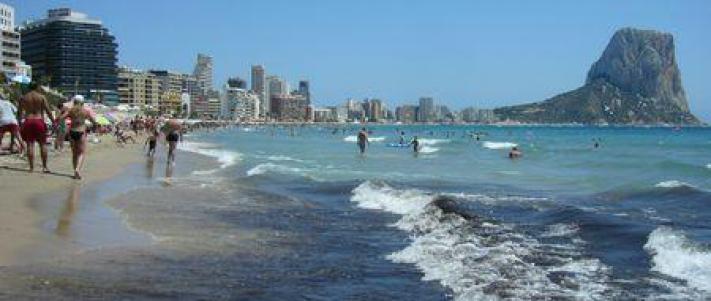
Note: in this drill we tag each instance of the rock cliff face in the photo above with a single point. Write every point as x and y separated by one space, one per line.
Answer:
636 81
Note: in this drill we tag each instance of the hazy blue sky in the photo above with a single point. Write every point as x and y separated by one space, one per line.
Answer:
461 52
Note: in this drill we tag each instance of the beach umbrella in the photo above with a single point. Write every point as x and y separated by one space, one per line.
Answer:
111 118
102 120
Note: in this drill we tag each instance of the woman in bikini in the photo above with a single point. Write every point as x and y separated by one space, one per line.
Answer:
77 133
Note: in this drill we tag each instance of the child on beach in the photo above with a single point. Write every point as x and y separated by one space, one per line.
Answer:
151 141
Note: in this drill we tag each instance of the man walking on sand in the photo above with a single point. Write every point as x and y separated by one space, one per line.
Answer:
34 107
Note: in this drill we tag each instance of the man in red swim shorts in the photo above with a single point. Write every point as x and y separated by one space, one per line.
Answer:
33 108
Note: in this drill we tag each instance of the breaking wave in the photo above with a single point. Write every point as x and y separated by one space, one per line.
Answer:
675 255
271 167
673 184
499 145
224 157
428 149
482 259
425 141
354 139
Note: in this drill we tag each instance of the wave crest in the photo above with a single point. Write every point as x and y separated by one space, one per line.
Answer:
675 255
478 258
354 139
224 157
498 145
271 167
673 184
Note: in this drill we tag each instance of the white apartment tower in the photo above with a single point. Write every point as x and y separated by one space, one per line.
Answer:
259 82
9 43
203 73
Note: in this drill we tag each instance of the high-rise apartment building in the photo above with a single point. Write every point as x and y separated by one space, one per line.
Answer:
203 73
74 53
239 104
237 82
406 113
287 107
277 86
9 43
258 78
375 110
426 110
304 89
259 82
171 90
138 87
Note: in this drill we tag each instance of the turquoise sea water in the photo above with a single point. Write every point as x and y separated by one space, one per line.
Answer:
296 213
627 219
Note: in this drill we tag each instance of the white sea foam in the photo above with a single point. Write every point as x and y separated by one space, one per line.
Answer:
428 149
426 141
499 145
225 157
672 184
483 260
676 255
354 138
370 195
708 166
283 158
271 167
561 230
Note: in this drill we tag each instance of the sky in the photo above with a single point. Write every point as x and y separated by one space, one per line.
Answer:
462 53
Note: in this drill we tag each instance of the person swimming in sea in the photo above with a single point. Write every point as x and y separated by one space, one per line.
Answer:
402 137
515 153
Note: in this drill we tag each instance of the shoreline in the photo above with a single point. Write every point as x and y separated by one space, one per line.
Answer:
24 234
474 124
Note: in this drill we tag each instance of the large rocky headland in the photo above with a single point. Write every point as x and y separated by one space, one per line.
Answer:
635 81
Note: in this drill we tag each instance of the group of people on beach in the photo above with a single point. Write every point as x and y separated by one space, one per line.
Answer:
32 129
27 127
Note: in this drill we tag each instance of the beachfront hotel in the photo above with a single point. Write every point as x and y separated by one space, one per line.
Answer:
76 54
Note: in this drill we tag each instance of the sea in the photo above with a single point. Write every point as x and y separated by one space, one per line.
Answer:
297 213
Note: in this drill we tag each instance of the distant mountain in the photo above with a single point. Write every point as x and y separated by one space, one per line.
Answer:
636 81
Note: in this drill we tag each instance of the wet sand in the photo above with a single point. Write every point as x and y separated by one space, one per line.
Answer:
24 195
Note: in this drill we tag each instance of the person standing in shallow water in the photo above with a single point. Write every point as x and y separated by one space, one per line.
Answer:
362 140
415 145
78 132
172 136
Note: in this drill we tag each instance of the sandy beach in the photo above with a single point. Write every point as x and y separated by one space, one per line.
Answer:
23 239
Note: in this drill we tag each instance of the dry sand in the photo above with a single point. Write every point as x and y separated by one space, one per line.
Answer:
20 223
